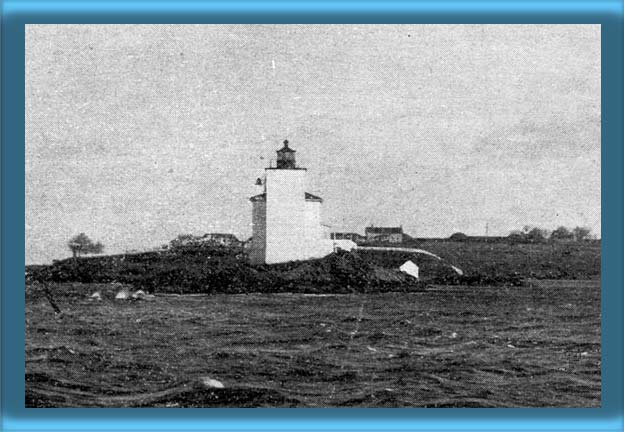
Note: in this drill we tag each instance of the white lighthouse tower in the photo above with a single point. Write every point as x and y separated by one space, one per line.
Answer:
286 220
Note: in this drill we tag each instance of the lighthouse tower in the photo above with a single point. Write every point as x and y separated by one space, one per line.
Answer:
286 220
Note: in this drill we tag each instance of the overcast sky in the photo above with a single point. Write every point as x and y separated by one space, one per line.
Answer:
138 133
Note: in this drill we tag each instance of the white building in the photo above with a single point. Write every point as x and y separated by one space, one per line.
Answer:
286 220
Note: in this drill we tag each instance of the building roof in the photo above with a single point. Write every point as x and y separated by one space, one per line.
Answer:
286 148
308 197
221 235
384 230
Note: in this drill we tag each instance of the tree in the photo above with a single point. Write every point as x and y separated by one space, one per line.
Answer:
562 233
517 236
97 248
459 237
581 233
81 244
537 235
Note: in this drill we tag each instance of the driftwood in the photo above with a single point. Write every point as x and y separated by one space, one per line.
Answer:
48 295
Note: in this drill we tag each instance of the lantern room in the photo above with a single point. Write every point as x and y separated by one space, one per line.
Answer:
286 157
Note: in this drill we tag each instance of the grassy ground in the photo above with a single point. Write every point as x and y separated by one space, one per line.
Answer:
445 347
226 271
550 260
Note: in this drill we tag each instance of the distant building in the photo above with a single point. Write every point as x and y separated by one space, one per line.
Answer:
210 239
223 239
354 237
384 234
486 239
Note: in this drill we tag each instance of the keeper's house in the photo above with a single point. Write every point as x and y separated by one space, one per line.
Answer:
384 234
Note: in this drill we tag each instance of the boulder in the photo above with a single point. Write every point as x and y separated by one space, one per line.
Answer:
410 268
124 294
208 382
142 295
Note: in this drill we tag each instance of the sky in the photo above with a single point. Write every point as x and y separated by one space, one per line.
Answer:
138 133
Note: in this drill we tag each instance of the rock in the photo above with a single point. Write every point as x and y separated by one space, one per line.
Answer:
142 295
96 296
124 294
410 268
457 270
208 382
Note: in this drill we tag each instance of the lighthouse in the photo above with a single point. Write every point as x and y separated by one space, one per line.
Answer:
286 220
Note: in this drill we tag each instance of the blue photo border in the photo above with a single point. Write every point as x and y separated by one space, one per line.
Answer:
16 14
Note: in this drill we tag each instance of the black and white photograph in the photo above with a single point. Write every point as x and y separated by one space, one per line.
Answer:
313 215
